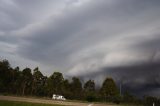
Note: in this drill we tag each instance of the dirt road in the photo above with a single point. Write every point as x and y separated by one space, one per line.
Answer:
35 100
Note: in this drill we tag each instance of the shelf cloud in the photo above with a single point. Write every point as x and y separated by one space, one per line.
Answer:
86 38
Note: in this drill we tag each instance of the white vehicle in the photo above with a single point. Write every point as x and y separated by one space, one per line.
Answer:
58 97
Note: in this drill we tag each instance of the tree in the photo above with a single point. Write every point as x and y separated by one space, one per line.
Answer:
16 80
149 100
76 88
128 98
109 89
66 89
89 86
27 80
38 82
89 91
5 76
54 83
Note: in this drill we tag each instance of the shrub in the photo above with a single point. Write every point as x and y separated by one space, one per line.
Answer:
148 101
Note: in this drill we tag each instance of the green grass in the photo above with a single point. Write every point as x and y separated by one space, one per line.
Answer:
13 103
129 105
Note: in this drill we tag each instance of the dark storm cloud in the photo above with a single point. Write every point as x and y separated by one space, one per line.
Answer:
140 77
73 24
86 38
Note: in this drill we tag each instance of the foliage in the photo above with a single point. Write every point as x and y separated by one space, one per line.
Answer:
89 86
89 91
76 88
5 75
38 83
109 90
26 80
54 83
34 83
149 100
66 89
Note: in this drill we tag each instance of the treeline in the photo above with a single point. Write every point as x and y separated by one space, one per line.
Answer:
34 83
151 101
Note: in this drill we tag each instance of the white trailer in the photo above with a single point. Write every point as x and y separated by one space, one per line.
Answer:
58 97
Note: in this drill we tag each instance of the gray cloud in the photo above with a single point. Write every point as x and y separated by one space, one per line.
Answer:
85 38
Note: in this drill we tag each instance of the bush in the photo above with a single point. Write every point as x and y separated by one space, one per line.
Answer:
117 99
5 94
91 98
148 101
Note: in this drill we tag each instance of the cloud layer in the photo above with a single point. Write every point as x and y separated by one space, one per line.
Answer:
86 38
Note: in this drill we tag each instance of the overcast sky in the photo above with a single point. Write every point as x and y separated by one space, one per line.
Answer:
85 38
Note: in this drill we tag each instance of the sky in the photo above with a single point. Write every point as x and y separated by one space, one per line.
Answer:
91 39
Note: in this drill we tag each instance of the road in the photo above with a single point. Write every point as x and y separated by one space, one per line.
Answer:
49 101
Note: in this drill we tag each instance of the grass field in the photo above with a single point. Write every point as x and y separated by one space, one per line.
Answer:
28 101
13 103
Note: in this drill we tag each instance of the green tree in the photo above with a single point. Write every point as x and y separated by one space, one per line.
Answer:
109 89
149 100
5 76
128 98
76 88
89 86
16 80
66 89
54 83
38 82
27 80
89 91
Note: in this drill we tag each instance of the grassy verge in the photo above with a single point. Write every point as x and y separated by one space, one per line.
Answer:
129 105
13 103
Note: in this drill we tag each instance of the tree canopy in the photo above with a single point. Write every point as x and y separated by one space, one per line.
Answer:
33 82
109 89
